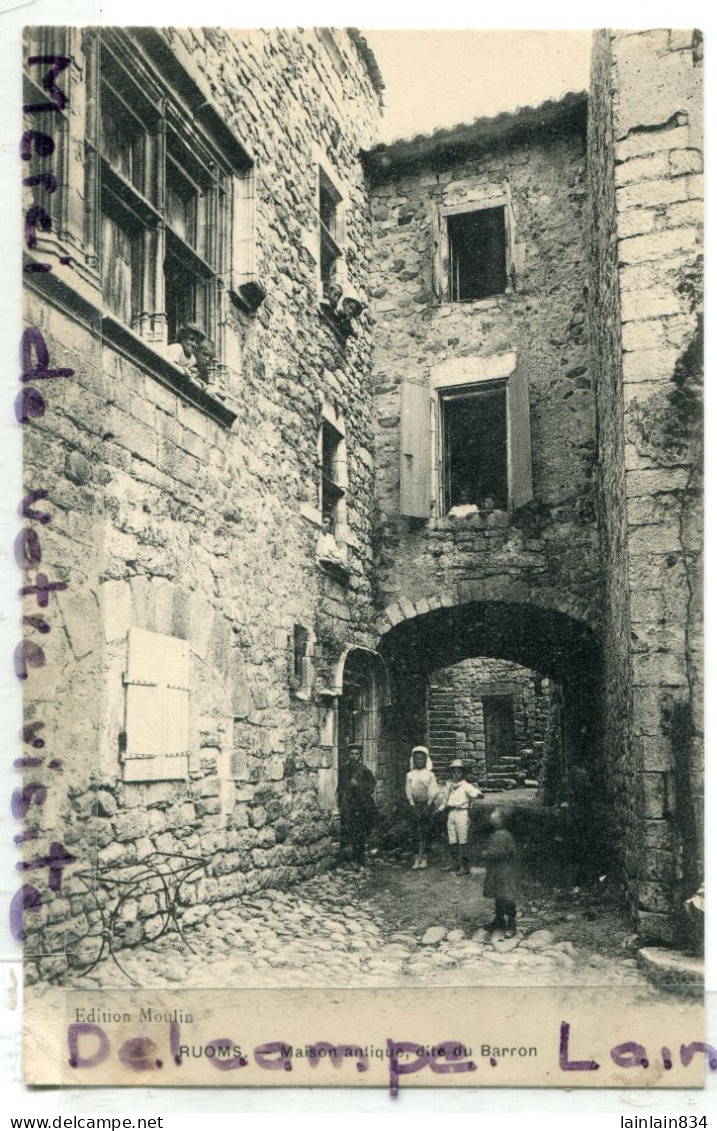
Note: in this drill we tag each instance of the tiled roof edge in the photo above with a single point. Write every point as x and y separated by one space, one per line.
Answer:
445 144
368 58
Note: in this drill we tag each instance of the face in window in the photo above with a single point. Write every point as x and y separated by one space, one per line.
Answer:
205 355
189 338
333 293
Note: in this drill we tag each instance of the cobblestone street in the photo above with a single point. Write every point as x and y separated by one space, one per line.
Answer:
387 925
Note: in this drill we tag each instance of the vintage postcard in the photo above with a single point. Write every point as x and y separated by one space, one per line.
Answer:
361 552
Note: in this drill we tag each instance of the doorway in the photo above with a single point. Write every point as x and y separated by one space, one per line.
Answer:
499 729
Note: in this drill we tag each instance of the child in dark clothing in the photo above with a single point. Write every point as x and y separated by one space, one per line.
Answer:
501 878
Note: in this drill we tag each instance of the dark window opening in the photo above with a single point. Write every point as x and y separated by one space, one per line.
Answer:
186 291
331 492
302 669
477 254
475 449
180 287
120 262
328 229
181 204
122 139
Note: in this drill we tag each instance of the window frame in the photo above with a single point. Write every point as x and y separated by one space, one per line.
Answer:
301 675
442 268
421 463
330 242
182 132
329 477
455 259
330 418
475 390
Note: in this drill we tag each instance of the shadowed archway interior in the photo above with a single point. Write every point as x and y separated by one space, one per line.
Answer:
551 642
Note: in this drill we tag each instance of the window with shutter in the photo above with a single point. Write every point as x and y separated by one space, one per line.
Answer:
415 450
478 419
474 433
156 707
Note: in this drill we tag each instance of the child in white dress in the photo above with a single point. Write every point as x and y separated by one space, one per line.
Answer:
421 792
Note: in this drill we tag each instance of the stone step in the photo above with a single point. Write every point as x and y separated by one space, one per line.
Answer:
497 781
667 968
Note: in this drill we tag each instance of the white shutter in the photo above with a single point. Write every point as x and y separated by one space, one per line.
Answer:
157 707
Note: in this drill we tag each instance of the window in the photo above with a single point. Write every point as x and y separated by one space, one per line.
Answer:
156 708
476 245
331 491
474 447
329 235
133 206
175 216
474 248
122 137
331 550
302 670
121 261
465 437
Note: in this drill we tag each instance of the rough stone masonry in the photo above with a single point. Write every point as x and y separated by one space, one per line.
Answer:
187 518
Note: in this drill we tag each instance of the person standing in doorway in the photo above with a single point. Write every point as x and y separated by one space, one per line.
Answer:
457 798
421 792
357 807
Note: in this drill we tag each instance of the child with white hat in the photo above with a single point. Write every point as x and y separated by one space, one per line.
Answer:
457 799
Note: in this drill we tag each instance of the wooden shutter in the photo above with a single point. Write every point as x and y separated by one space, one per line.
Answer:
520 456
440 256
415 450
157 707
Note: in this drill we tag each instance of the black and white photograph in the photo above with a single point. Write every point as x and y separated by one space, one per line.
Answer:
361 548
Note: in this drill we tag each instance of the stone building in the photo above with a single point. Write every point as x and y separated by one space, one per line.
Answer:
388 456
214 530
484 417
645 149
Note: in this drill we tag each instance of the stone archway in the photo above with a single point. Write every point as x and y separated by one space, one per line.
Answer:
437 632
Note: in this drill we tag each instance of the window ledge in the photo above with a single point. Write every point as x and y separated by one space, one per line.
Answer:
311 514
169 374
302 693
478 520
487 303
334 569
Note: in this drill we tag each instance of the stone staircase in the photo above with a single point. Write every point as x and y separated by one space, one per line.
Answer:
442 736
503 774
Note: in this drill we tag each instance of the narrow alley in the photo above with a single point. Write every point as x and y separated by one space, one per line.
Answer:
388 926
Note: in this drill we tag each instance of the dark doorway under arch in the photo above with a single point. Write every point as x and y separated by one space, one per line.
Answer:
560 647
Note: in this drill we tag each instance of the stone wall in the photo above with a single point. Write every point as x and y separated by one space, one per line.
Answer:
547 548
455 710
166 519
645 160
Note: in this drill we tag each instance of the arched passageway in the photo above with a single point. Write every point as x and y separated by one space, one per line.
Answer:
561 648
